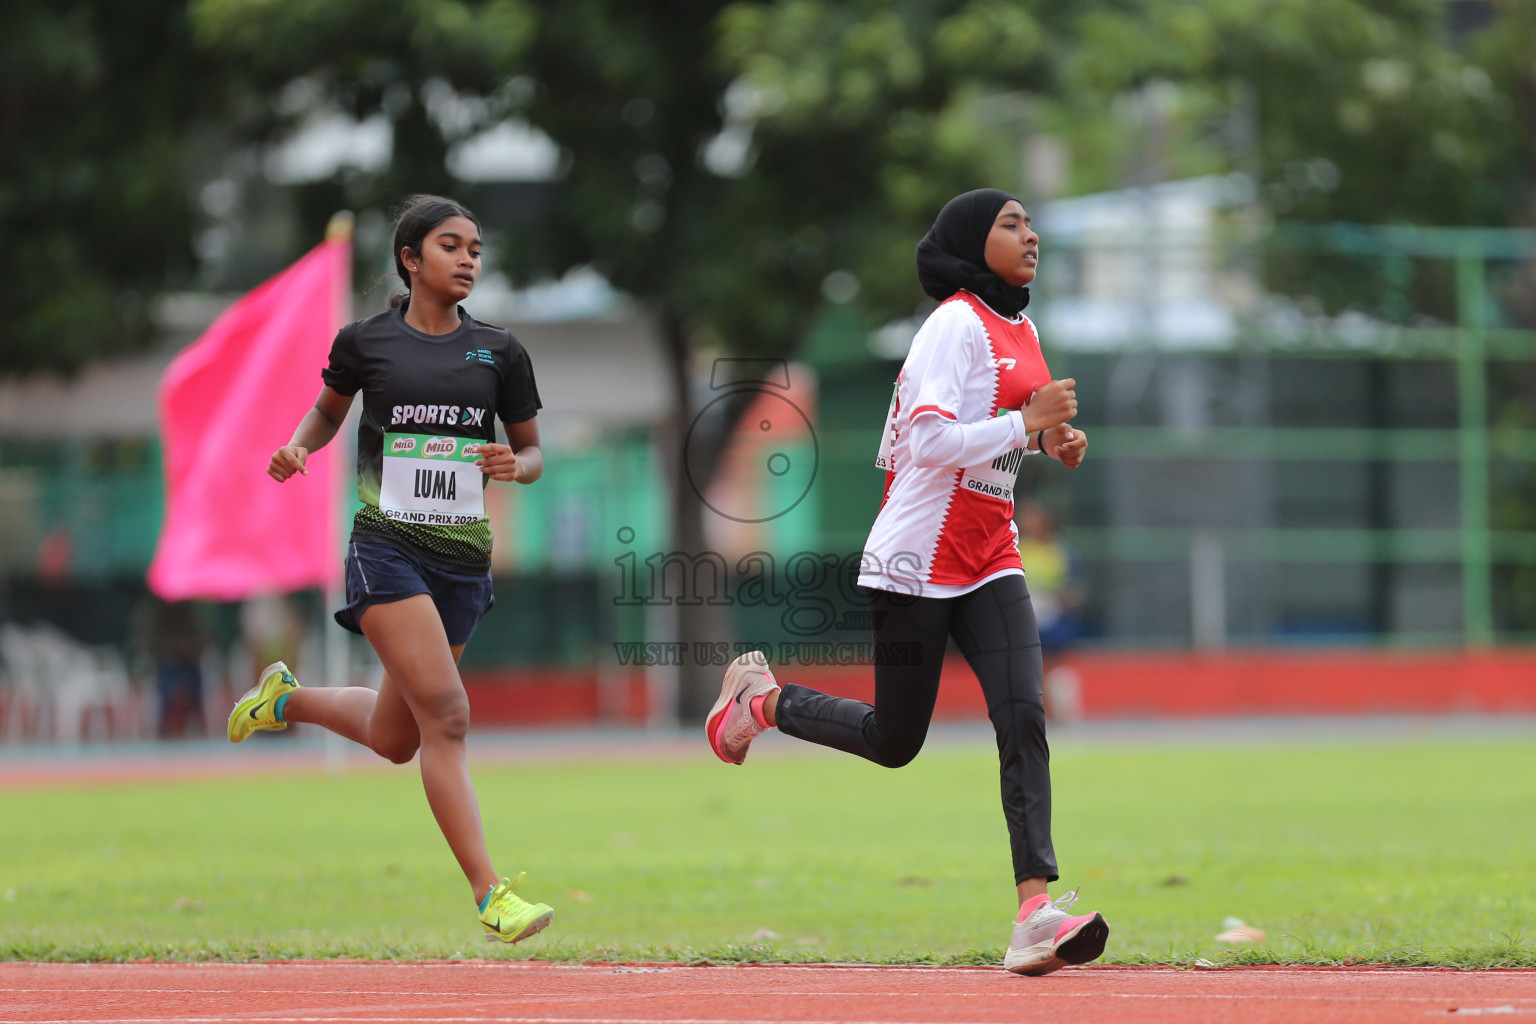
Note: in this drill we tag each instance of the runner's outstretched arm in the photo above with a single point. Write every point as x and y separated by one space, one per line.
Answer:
314 432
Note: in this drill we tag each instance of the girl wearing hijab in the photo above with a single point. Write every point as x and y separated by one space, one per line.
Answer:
973 398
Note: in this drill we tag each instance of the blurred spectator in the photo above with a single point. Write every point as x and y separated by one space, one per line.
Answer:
173 637
1051 574
55 558
270 630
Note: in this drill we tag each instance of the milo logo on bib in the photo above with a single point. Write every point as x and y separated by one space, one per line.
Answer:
432 480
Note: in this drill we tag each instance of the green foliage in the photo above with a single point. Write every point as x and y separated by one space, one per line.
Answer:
364 58
97 106
1504 51
446 37
722 163
722 158
630 98
1360 111
1351 110
878 106
988 38
1371 851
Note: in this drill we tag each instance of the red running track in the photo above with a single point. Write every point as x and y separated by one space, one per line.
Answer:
540 993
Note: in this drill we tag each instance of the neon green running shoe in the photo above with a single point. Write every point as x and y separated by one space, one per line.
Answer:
507 917
258 708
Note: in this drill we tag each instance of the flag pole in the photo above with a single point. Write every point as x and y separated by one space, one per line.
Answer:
335 642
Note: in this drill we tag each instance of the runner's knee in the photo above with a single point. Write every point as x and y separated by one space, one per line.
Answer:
1021 717
445 716
396 750
898 753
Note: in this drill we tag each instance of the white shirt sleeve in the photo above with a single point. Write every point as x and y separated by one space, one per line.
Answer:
944 353
935 441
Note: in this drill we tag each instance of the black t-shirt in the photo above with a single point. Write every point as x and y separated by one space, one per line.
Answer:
427 402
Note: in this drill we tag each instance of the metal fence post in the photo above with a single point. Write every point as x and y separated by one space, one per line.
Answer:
1472 382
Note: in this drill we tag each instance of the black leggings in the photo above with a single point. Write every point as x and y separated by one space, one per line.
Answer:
994 627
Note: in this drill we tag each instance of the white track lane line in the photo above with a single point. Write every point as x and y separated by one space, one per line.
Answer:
318 1018
701 993
624 968
476 1019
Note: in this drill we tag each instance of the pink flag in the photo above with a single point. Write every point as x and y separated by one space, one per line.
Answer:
226 404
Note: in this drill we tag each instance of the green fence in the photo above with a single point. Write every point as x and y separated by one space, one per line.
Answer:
1392 432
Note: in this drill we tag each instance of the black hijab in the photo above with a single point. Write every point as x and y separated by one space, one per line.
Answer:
952 255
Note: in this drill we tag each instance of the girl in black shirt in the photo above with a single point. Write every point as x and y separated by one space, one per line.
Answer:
418 565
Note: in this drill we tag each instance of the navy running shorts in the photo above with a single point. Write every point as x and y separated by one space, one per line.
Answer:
380 573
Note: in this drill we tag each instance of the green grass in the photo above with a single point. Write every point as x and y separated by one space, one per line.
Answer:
1390 852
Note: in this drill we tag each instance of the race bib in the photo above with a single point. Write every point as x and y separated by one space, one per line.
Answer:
432 480
995 479
888 435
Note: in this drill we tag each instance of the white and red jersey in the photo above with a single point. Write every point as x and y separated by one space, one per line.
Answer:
951 450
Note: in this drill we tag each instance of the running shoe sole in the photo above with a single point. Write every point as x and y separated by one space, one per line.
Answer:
239 729
728 690
1083 945
533 927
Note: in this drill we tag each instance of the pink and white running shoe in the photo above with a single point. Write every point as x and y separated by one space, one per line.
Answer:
1046 938
731 725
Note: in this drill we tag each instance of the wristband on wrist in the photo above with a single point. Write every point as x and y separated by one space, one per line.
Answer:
1040 443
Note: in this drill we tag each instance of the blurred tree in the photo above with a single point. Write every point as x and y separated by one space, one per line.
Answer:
1363 111
1343 109
1338 110
1360 110
438 70
730 207
97 102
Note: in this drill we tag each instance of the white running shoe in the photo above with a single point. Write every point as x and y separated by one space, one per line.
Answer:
1046 938
731 726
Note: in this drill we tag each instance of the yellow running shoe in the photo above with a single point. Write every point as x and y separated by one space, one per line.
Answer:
507 917
258 708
